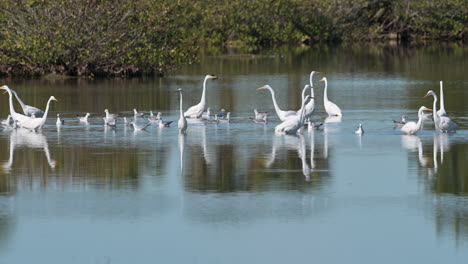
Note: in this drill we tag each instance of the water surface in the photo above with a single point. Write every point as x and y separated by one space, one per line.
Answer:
237 193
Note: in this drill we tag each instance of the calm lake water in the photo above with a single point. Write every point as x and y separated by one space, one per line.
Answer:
236 193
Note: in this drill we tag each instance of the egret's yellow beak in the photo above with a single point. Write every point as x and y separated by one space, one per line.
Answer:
322 80
261 88
214 77
4 91
426 96
319 73
427 109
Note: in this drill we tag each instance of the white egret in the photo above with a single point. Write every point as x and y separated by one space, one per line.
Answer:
83 119
182 124
441 111
359 130
282 115
412 128
17 117
292 124
331 108
310 106
442 123
37 123
197 110
59 121
27 109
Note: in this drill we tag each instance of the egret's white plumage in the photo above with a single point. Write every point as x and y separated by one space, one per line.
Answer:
412 128
7 121
17 117
196 111
292 124
37 123
182 123
282 115
331 108
441 111
310 106
442 123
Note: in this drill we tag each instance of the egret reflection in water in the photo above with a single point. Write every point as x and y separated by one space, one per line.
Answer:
21 137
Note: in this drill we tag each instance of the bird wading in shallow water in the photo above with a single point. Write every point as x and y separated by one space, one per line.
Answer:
412 128
331 108
196 111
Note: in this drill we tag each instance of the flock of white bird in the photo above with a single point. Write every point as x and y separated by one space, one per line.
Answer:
291 121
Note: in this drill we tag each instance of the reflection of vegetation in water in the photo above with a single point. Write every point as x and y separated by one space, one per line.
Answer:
452 176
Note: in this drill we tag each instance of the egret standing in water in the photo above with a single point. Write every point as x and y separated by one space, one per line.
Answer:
442 123
441 111
293 123
282 115
182 124
310 106
196 111
412 128
331 108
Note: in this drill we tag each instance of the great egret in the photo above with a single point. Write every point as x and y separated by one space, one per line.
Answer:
37 123
310 106
402 122
59 121
412 128
441 111
331 108
182 124
17 117
292 124
197 110
442 123
359 130
83 119
282 115
27 109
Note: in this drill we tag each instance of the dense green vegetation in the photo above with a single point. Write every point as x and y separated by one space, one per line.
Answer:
84 37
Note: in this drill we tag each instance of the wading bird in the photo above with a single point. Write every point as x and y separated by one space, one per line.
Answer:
331 108
412 128
196 111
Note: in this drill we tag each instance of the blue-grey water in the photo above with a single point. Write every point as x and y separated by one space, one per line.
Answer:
238 193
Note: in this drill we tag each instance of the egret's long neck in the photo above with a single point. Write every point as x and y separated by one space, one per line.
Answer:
420 119
275 104
44 117
302 116
203 97
23 106
303 96
442 107
434 109
310 79
181 112
325 96
12 109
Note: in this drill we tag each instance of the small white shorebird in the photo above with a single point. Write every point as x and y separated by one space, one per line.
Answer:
226 118
259 115
59 121
196 111
412 128
331 108
402 122
182 124
140 128
83 119
162 123
110 118
359 130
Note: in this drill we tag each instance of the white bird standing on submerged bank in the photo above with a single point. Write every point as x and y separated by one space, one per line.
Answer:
331 108
359 130
412 128
196 111
182 124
